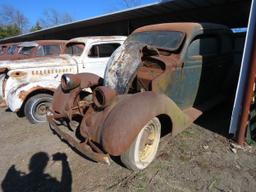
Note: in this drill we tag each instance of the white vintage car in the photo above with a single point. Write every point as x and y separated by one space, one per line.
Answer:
27 86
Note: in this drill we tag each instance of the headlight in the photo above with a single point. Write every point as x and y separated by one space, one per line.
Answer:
102 96
69 82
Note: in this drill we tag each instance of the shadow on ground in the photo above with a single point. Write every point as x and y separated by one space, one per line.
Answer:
36 179
217 120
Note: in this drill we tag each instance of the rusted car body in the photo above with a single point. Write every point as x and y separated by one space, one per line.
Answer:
163 76
32 49
3 50
21 81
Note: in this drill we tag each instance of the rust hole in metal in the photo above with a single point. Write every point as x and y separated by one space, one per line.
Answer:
18 74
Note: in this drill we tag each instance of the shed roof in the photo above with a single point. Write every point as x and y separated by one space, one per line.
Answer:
233 13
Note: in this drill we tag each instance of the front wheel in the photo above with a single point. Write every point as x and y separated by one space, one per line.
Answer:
144 148
36 107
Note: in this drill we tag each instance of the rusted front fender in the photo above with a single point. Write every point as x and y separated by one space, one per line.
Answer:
129 116
64 101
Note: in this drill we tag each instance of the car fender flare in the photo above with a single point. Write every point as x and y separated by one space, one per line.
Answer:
64 108
17 95
129 116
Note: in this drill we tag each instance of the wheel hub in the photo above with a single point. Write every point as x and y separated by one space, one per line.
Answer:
147 143
42 108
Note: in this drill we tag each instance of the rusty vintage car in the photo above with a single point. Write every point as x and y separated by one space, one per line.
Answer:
3 50
161 79
27 86
32 49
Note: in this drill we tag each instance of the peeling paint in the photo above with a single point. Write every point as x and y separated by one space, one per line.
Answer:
142 81
19 78
35 46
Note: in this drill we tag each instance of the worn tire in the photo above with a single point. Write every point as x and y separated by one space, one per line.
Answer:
144 148
36 106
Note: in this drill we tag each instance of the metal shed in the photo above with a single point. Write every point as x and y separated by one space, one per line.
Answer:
233 13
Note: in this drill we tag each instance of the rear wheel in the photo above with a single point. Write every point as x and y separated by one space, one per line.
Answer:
144 148
36 107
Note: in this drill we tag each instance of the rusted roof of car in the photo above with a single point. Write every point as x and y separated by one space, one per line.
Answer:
7 44
50 41
28 44
96 38
186 27
40 42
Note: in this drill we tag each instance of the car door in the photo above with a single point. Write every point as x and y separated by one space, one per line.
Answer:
98 56
194 82
211 67
185 78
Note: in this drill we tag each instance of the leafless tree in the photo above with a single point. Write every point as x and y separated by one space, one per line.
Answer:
11 16
53 17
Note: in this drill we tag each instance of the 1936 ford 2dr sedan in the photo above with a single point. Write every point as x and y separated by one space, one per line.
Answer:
162 78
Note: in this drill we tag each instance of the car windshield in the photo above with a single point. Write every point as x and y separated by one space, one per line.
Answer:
1 50
26 50
170 40
74 49
11 50
47 50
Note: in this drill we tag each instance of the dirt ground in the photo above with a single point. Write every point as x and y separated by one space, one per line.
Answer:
196 160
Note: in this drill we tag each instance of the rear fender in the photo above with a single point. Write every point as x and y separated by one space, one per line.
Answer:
129 116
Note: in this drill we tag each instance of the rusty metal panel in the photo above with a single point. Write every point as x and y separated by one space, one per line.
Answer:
19 78
31 48
142 81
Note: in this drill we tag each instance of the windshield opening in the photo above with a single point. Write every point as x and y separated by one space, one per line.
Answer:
26 50
170 40
11 50
47 50
2 50
74 49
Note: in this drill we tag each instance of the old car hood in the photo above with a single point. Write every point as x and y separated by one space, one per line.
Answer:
38 62
122 66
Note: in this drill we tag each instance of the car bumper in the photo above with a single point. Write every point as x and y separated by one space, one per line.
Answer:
2 90
2 77
84 147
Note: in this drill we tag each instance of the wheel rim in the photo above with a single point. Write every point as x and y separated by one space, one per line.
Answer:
146 147
40 110
148 144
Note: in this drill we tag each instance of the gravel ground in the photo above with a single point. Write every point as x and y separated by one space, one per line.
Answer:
33 159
